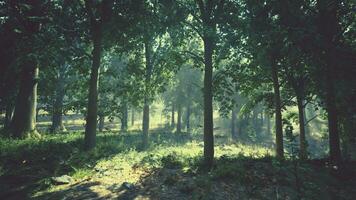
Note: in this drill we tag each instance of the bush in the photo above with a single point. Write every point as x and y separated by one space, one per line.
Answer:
171 161
228 171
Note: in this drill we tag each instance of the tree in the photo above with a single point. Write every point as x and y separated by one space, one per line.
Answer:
264 43
205 25
29 18
57 121
328 46
104 10
160 60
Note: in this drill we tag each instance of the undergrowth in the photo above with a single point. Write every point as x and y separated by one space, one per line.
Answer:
29 164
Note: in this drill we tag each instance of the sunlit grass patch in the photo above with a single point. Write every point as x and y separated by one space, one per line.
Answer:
117 157
253 151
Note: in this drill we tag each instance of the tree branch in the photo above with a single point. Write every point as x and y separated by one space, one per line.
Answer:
196 56
190 12
310 119
201 8
89 10
194 28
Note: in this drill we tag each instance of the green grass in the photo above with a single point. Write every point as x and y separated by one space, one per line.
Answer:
32 161
27 165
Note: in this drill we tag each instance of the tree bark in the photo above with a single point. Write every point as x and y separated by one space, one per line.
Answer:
132 116
278 112
233 124
302 140
92 108
9 112
334 139
179 118
268 119
24 119
57 121
124 118
255 121
101 123
350 136
210 11
145 123
328 12
208 103
187 120
172 119
146 107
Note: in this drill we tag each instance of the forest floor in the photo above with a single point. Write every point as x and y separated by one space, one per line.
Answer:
170 169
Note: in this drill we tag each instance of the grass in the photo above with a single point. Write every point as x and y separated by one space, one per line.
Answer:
170 166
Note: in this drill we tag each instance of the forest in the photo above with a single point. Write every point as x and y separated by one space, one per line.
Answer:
178 99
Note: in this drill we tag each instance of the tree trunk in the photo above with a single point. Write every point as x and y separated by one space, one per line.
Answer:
208 103
278 112
350 137
146 107
179 118
306 125
92 109
132 116
124 118
172 119
101 123
24 119
302 139
255 121
334 139
233 124
145 123
57 122
241 122
268 118
329 31
9 112
187 120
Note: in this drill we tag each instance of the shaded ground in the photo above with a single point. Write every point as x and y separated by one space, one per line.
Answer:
232 178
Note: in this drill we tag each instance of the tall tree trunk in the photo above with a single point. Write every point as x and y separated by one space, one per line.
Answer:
187 120
179 118
240 123
208 103
24 119
328 11
145 123
334 139
306 125
233 124
92 109
278 112
124 118
146 106
350 136
302 139
132 116
57 122
268 119
9 112
255 121
172 118
101 123
9 94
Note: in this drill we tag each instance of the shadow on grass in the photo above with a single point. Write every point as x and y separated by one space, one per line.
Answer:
231 178
27 165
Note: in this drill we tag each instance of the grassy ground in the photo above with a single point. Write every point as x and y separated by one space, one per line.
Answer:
170 169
